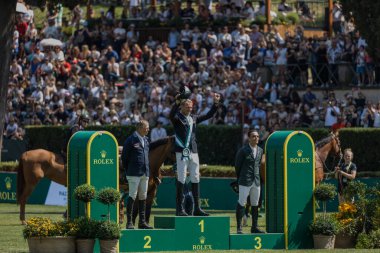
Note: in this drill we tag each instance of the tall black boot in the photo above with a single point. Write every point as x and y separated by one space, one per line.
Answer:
142 221
179 200
255 217
197 209
239 216
130 202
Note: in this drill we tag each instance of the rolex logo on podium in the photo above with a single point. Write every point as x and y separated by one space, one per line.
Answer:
299 153
103 154
202 240
8 183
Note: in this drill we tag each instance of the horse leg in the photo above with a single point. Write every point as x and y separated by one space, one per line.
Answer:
149 201
23 198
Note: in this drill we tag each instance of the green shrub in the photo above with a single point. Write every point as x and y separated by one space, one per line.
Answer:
108 230
325 192
293 18
85 193
86 228
260 20
369 241
324 225
108 196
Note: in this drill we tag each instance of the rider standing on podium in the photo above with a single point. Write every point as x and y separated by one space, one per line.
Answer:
184 123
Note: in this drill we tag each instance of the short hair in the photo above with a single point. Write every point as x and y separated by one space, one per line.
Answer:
142 123
349 150
250 131
186 101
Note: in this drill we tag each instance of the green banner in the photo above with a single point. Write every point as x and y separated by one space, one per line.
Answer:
8 188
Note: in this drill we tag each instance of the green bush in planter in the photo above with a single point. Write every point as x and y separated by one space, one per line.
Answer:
108 230
323 225
368 241
86 228
325 192
108 196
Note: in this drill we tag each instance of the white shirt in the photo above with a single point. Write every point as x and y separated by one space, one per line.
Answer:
158 133
254 151
141 139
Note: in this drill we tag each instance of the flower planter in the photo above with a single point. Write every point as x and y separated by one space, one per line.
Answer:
109 246
85 245
324 241
343 241
56 244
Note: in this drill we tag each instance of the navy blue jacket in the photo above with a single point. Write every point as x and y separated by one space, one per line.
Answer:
181 126
135 158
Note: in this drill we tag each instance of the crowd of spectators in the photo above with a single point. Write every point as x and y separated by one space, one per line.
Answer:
108 73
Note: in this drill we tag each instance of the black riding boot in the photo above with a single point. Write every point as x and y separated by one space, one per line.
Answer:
142 221
179 200
255 217
239 216
130 202
197 208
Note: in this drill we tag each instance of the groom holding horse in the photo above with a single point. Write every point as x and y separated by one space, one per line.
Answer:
184 123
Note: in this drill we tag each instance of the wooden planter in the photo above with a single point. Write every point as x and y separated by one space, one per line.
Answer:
324 241
85 245
109 246
55 244
343 241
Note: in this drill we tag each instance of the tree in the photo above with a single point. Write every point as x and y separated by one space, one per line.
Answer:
367 20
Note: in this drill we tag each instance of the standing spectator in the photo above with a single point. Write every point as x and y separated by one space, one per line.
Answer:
158 132
332 114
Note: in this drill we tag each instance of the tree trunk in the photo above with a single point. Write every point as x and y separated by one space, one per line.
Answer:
7 23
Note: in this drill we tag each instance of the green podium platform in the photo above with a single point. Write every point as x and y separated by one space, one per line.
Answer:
179 233
257 241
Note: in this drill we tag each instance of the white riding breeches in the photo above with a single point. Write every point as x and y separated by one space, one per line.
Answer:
254 194
138 185
191 165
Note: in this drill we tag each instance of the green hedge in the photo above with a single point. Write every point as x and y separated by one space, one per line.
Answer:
218 144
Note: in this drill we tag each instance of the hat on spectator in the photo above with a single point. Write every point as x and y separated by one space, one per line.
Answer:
257 127
246 126
269 105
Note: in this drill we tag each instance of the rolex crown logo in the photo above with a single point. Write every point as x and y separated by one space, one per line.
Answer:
8 183
202 239
103 153
299 153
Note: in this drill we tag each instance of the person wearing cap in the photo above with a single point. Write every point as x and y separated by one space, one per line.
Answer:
184 123
247 166
135 160
158 132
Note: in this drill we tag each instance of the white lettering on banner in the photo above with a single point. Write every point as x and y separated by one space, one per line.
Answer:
57 195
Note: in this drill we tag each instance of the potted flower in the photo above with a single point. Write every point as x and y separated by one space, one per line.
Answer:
108 231
86 234
324 227
45 236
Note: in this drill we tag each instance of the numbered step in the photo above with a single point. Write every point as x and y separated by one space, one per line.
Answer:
202 233
141 240
257 241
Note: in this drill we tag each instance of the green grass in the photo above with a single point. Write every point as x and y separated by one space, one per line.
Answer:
11 240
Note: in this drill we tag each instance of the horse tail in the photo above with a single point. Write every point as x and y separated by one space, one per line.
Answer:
20 180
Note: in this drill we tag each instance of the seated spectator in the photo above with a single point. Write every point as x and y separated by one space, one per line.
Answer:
283 6
188 12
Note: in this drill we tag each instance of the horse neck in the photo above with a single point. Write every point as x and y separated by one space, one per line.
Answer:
159 159
324 151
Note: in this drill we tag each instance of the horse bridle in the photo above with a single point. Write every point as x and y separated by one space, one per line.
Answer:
336 138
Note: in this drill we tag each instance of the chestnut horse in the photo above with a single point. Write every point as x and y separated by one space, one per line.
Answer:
39 163
322 149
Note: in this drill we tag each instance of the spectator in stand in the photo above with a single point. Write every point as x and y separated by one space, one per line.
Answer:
158 132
